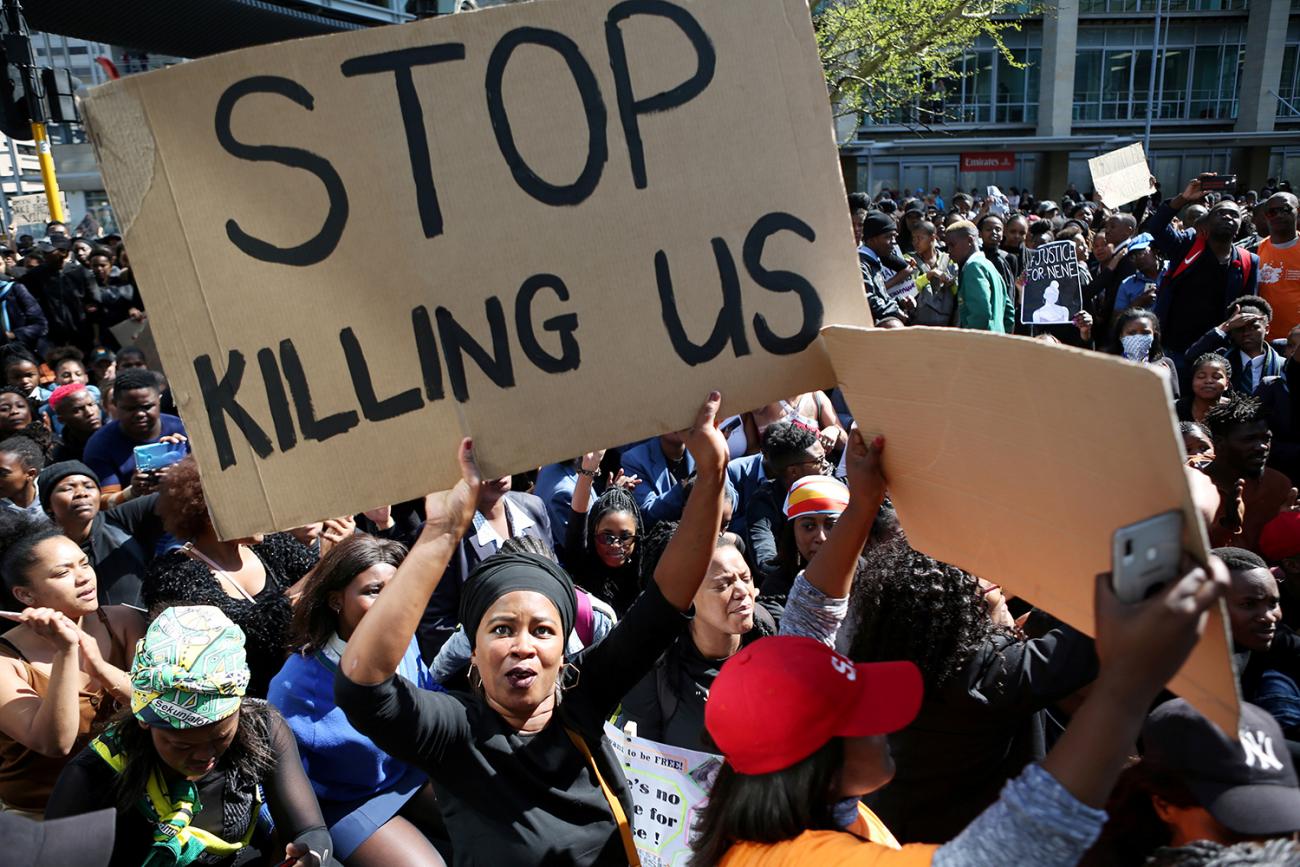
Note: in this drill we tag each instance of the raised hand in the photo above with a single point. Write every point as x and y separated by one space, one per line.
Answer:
704 441
865 468
449 512
53 626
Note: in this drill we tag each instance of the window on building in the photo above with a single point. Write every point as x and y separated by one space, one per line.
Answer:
1198 79
1113 6
1288 90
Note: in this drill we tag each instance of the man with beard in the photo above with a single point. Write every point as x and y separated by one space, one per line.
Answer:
78 413
1206 270
1279 264
1252 494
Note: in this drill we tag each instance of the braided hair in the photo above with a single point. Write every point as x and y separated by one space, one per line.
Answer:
618 587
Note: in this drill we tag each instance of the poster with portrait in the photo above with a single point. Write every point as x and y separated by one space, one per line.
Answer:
1053 285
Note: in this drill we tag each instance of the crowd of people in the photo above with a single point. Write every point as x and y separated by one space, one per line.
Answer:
429 682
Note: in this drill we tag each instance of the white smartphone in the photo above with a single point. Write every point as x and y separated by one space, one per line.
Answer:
1146 556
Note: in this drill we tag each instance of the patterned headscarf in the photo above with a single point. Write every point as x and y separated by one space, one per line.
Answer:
189 669
816 495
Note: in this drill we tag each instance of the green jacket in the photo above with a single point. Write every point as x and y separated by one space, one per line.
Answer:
982 298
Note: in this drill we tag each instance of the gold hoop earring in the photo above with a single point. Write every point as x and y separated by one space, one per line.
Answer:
473 671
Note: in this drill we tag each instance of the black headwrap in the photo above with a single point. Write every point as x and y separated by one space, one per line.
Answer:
504 573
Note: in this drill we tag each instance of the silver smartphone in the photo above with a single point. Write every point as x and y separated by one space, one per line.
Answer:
1146 556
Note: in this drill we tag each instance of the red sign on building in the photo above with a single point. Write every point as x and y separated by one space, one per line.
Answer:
988 161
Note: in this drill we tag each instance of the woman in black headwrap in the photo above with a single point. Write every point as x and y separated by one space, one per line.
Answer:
520 765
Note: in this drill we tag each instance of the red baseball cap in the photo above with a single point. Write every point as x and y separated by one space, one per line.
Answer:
781 699
1280 537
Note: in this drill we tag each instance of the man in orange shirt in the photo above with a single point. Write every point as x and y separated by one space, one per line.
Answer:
1279 264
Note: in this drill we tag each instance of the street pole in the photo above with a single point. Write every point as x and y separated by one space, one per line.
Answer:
1151 82
18 43
50 180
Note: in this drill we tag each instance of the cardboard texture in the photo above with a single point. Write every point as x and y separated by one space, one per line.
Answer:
1121 176
1017 461
139 335
328 231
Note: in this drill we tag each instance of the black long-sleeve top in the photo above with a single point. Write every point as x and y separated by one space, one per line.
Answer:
511 798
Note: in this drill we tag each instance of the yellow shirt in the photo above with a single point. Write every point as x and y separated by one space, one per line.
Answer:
868 842
1279 284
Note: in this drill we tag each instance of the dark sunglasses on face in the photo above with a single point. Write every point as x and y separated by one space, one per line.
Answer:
622 540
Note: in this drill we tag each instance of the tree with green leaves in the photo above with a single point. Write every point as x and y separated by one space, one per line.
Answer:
886 56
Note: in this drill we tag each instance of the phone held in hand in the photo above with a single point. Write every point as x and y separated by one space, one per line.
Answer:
1146 556
1219 184
157 456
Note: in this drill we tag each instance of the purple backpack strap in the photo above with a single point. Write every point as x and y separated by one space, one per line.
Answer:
586 625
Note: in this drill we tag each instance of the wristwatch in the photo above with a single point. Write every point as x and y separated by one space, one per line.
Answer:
591 474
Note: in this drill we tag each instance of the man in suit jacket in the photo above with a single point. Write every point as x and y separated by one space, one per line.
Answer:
501 514
1241 340
662 464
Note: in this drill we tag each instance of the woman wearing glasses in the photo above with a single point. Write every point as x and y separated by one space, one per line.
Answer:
603 541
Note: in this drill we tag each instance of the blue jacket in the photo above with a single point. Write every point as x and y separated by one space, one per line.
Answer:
744 475
21 313
554 487
342 763
659 495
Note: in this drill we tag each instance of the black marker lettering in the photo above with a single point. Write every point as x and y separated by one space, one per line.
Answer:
408 102
728 327
312 427
426 345
564 325
323 244
782 281
593 107
457 341
629 107
219 401
277 400
371 407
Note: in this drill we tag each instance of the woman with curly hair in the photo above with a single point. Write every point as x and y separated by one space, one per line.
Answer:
986 689
248 579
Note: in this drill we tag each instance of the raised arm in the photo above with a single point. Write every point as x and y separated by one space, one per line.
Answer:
47 724
831 571
686 559
381 639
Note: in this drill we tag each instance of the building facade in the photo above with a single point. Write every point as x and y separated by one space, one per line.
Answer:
1224 95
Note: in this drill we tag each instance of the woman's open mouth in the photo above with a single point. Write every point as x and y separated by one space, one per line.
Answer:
520 677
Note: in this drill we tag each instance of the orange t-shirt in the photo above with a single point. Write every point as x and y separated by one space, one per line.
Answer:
868 843
1279 284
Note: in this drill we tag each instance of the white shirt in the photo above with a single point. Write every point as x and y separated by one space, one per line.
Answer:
518 519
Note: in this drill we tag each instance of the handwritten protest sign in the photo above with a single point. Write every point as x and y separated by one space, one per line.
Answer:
669 786
1053 285
527 224
1121 176
32 211
1111 463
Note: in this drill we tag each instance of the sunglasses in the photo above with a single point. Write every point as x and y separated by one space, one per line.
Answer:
622 540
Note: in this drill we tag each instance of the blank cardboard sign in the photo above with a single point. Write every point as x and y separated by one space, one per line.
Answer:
1017 461
528 224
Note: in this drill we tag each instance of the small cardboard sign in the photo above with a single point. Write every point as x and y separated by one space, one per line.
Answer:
33 210
1053 285
1121 176
971 446
670 787
527 225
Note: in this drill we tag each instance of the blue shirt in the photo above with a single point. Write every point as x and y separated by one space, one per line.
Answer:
111 454
1132 287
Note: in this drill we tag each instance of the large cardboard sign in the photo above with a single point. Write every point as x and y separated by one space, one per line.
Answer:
1017 461
552 226
1053 285
1121 176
